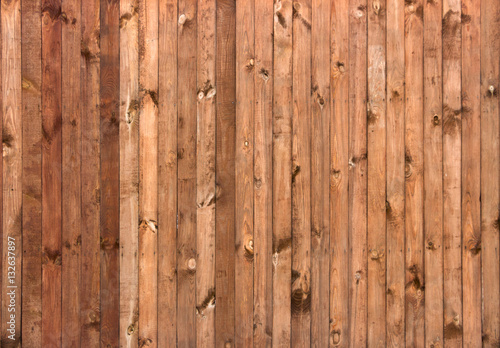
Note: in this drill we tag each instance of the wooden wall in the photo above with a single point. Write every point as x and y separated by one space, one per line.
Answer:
221 173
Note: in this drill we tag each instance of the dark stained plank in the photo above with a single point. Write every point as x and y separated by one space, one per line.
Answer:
110 171
282 173
31 69
51 173
167 173
224 171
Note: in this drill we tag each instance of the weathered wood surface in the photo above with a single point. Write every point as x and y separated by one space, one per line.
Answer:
222 173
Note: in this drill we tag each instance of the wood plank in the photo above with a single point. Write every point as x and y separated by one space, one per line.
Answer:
395 204
110 171
339 146
357 171
12 168
452 141
471 171
282 173
320 159
186 184
433 173
225 71
167 173
376 209
490 170
31 69
71 171
129 173
301 175
244 243
206 191
414 234
51 173
263 182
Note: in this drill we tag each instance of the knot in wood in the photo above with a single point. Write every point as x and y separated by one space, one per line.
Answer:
191 264
182 19
491 88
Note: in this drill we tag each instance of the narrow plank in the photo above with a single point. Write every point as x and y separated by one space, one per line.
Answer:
471 173
452 180
186 184
357 275
301 175
71 171
12 168
282 174
339 135
110 171
225 70
205 175
414 233
31 68
490 170
263 182
148 173
129 173
90 315
320 169
395 204
167 173
433 173
244 243
376 209
51 173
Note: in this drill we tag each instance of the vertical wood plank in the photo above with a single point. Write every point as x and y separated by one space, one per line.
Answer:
339 181
167 173
395 204
224 171
90 315
490 170
357 171
31 68
186 142
206 194
471 173
433 173
282 172
301 175
51 173
320 159
110 171
263 184
244 243
414 297
452 180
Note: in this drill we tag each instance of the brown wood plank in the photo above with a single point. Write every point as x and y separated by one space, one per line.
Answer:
186 184
452 134
167 173
414 253
282 173
90 316
71 171
395 204
471 173
31 68
1 169
206 191
244 224
433 173
51 173
490 170
110 171
339 135
263 184
225 71
320 169
376 209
